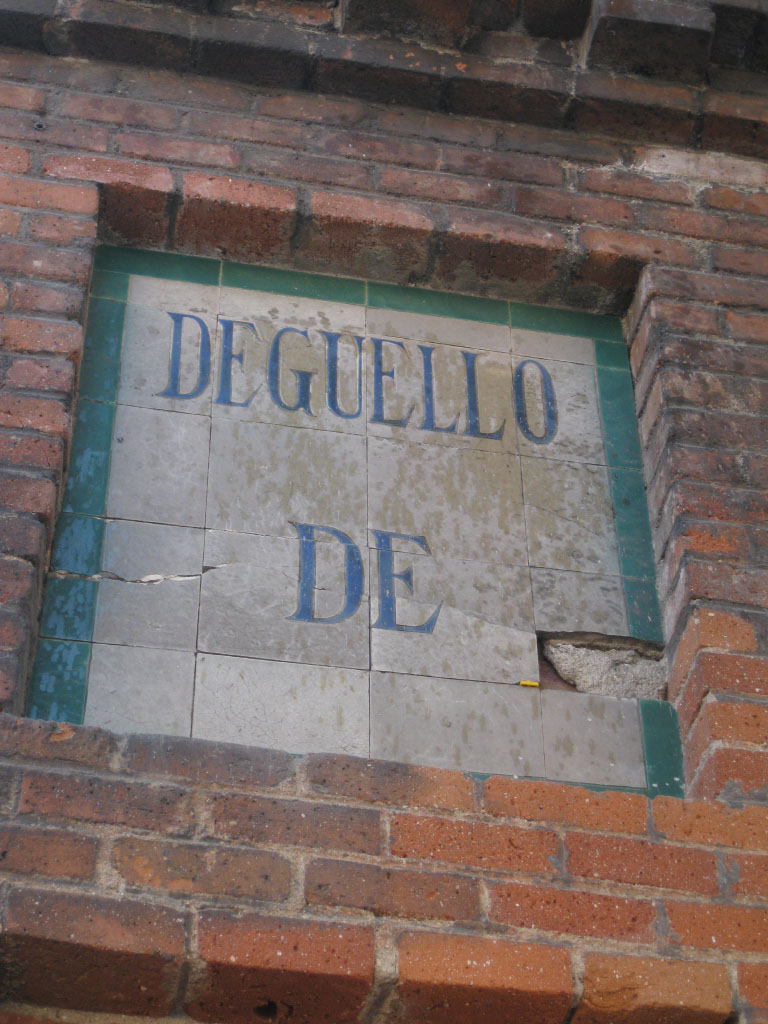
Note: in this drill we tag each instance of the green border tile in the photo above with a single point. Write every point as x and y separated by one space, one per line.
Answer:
611 355
293 282
617 412
632 523
105 284
564 321
100 370
59 681
77 544
643 612
148 263
86 487
424 300
69 608
663 752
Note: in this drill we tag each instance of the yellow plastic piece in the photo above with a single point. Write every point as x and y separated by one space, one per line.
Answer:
529 682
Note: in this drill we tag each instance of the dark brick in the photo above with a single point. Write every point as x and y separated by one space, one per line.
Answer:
278 56
443 22
22 22
558 19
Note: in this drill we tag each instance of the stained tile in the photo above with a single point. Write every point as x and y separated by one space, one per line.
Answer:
292 311
196 269
643 610
178 295
542 345
465 503
454 723
102 346
617 408
77 544
563 321
291 282
68 608
434 303
569 516
438 330
576 433
58 682
140 690
135 550
663 753
592 739
299 708
86 485
578 602
162 614
632 523
158 469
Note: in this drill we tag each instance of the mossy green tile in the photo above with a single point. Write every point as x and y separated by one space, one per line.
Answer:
77 544
663 752
69 606
100 370
59 681
565 321
617 411
632 524
167 265
105 284
292 282
611 355
424 300
86 486
643 609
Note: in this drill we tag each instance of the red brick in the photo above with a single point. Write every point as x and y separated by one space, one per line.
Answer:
359 146
21 97
318 109
711 926
18 580
248 129
384 239
641 863
713 629
235 218
28 494
54 374
476 845
109 171
739 773
15 632
201 762
23 537
171 150
24 739
56 132
633 108
753 984
626 183
115 110
43 414
747 326
727 722
51 300
388 782
717 673
203 868
296 165
566 805
442 127
739 261
253 819
397 892
449 187
47 195
62 230
169 87
748 874
14 159
164 809
559 205
52 852
601 242
281 967
722 198
712 824
135 216
624 989
22 335
451 979
44 262
503 166
569 911
85 953
10 220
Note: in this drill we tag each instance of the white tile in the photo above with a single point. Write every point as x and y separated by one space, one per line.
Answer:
478 727
291 310
135 550
578 436
438 330
578 602
179 296
160 614
540 345
140 690
299 708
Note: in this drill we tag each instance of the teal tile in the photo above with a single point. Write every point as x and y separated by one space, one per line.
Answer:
59 681
611 355
423 300
77 544
617 411
663 752
643 609
564 321
69 605
86 486
167 265
100 370
632 524
291 282
107 285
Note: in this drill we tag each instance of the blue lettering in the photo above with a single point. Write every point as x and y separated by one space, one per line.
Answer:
353 574
379 373
332 385
303 377
429 395
550 403
387 601
228 356
204 360
473 405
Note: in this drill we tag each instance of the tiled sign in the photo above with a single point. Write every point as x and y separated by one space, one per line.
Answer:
324 514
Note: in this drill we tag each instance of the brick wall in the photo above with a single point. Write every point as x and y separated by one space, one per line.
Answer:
145 877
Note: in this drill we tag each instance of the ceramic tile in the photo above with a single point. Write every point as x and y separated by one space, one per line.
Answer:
438 330
643 610
454 723
159 466
135 550
540 345
465 503
290 282
140 690
577 429
89 460
195 269
431 390
613 355
569 516
68 608
578 602
264 477
77 544
292 311
160 614
563 321
250 597
632 523
57 685
100 367
445 304
661 744
175 295
299 708
617 408
107 285
592 739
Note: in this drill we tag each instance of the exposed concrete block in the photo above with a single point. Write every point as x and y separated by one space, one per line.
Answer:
620 671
